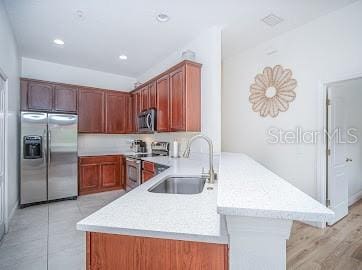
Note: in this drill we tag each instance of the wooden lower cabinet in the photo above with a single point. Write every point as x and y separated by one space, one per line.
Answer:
147 175
101 173
115 252
148 170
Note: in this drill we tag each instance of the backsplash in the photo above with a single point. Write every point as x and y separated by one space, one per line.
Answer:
181 137
89 142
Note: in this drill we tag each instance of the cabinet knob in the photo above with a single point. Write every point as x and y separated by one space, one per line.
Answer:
348 160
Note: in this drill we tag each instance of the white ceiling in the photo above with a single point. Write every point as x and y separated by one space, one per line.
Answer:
113 27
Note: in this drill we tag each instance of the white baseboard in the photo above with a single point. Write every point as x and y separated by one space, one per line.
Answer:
355 198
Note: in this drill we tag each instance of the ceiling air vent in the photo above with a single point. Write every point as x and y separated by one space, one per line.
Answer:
272 20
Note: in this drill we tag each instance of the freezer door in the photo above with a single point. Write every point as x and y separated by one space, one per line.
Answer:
62 157
33 157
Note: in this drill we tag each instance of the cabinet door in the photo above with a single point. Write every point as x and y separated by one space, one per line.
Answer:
148 166
40 96
153 95
110 174
123 172
24 94
115 112
130 121
65 99
177 100
163 104
91 110
147 175
137 108
138 101
135 111
89 175
145 98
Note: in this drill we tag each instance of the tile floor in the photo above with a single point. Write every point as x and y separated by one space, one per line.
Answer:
44 237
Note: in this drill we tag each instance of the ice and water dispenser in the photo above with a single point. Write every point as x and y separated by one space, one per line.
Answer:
32 147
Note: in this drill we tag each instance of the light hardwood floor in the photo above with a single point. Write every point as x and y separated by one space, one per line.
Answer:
336 247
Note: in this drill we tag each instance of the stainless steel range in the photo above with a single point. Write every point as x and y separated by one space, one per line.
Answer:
134 163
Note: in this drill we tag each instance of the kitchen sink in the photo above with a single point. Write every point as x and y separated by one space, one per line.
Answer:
179 185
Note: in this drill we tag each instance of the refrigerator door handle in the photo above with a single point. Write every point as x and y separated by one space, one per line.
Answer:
49 147
45 147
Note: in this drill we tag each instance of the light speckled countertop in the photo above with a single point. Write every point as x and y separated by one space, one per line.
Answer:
246 188
173 216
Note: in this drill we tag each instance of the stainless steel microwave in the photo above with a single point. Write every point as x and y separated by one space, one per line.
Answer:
147 121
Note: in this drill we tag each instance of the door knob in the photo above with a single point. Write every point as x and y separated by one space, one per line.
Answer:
348 160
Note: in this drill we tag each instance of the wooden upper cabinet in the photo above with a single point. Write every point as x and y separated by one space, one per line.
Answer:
177 100
145 98
163 87
134 111
39 96
138 102
91 111
185 97
65 99
136 108
152 95
130 121
48 96
116 116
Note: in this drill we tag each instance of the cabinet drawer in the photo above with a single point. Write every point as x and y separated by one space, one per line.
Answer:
148 166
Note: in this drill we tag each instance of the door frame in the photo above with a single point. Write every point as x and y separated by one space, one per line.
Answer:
6 200
321 160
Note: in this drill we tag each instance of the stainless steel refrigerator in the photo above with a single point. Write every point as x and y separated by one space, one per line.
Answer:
48 161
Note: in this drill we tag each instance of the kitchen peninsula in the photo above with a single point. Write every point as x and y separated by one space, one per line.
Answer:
219 228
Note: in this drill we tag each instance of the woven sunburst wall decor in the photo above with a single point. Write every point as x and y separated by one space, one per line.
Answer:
272 91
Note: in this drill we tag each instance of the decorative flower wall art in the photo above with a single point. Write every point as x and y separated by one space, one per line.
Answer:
272 91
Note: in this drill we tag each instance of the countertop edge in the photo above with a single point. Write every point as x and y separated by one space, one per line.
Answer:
155 234
276 214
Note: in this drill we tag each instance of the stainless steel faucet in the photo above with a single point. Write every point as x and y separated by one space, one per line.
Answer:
211 176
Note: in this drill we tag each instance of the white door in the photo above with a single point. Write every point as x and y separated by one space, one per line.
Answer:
2 157
337 184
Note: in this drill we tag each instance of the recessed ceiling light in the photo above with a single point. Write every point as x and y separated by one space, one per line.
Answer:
123 57
272 20
80 14
162 17
58 41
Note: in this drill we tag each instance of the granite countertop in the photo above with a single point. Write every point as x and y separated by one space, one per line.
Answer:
247 188
171 216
